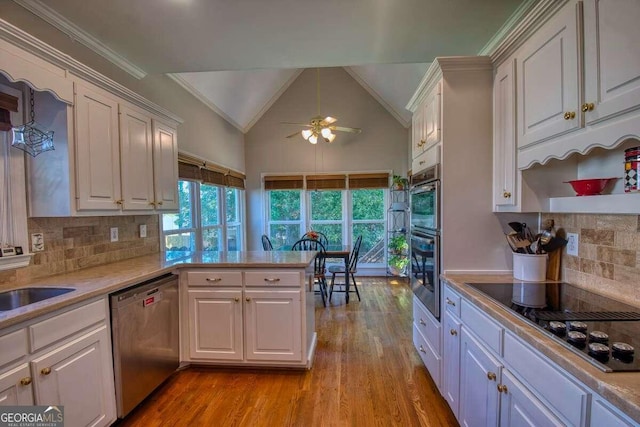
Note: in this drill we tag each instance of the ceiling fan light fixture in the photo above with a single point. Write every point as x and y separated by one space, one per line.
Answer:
307 133
325 132
331 137
313 139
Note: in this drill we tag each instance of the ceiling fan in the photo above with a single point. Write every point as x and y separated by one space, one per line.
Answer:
319 127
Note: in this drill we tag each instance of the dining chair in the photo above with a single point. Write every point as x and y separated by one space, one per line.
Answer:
266 243
353 264
319 263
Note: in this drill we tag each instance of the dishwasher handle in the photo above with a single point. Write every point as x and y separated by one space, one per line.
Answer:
144 291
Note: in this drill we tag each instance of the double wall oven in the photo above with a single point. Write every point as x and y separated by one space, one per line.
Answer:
425 238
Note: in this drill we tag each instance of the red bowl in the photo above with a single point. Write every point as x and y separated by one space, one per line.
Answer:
589 187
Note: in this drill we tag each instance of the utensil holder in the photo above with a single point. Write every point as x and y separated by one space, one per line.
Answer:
530 267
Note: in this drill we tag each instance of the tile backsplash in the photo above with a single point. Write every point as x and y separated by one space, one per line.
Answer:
74 243
608 260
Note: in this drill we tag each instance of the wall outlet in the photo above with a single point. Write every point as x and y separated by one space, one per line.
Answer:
37 242
572 244
143 230
114 234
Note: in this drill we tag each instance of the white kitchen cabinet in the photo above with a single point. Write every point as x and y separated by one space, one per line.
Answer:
480 374
273 327
165 166
519 407
611 58
215 324
548 83
97 150
79 376
136 156
418 137
505 177
16 386
603 414
432 113
427 333
451 361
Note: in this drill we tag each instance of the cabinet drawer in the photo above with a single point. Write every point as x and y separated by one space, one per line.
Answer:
428 326
489 332
426 159
63 325
273 278
429 356
565 396
451 301
214 278
14 346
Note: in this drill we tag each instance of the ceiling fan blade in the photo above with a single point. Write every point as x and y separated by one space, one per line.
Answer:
294 123
294 134
344 129
329 120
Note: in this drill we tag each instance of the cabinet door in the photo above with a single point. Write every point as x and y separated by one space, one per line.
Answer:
519 407
136 148
479 376
451 362
417 132
165 166
78 375
97 150
504 135
273 325
432 118
215 324
612 57
603 414
15 387
548 84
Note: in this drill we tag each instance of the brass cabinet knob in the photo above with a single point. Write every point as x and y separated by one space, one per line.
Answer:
453 332
159 203
237 299
45 371
502 388
25 381
422 322
569 115
589 106
451 302
119 202
248 299
421 143
422 349
506 194
491 376
152 204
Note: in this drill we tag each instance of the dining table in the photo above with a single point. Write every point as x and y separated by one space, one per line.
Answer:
341 251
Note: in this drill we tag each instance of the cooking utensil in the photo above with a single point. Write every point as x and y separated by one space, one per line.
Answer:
554 244
521 245
589 187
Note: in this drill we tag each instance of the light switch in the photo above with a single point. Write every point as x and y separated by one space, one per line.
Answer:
143 230
572 244
114 234
37 242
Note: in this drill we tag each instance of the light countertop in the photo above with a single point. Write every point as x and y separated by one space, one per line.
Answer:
104 279
622 389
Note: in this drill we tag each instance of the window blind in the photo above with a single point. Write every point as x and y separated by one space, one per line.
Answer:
326 182
284 182
368 180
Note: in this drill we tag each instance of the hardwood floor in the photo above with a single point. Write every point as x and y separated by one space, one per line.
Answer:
366 373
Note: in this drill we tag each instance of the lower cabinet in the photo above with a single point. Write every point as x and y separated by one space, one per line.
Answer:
70 365
426 339
519 407
451 354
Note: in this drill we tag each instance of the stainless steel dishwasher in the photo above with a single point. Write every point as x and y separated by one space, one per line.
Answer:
144 327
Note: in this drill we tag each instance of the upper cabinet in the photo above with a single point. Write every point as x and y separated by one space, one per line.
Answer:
567 80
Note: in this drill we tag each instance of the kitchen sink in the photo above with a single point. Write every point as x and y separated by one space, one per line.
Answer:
10 300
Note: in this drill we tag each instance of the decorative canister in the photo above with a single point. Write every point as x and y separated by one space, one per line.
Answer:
631 169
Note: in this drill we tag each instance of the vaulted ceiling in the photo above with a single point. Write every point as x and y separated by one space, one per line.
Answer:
238 56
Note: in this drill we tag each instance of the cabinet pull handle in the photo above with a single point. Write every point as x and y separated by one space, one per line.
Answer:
25 381
506 194
159 203
152 204
248 299
502 388
589 106
450 302
422 349
422 162
45 371
272 280
119 202
213 279
421 143
453 332
237 299
569 115
491 376
422 322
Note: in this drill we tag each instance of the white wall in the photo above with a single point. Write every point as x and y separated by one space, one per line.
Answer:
382 145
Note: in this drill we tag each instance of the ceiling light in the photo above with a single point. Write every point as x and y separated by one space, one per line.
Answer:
313 139
307 133
325 132
331 137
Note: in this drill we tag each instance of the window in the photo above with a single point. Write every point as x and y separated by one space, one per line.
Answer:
327 214
209 216
368 220
284 220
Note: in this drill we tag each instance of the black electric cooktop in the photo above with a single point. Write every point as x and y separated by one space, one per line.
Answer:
601 330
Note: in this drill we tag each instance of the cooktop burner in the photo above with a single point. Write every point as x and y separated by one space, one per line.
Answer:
601 330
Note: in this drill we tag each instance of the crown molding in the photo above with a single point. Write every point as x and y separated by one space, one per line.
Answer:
76 33
525 20
34 46
377 97
206 101
273 99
